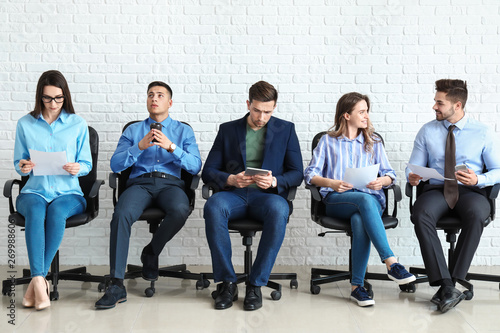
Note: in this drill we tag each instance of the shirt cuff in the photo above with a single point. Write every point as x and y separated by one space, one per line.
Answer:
135 151
481 181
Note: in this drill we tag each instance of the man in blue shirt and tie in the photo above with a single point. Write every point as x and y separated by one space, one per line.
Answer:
452 139
156 154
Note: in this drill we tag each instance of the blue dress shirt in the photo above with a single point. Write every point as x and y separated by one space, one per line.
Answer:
186 156
333 155
476 147
69 133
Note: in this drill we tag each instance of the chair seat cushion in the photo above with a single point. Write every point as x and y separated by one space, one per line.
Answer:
73 221
345 225
452 222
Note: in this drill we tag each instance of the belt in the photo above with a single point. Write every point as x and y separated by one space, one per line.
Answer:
157 174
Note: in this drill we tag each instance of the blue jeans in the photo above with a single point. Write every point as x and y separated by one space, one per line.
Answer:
44 224
141 193
271 209
365 213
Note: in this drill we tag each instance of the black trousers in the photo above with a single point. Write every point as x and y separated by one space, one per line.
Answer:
472 208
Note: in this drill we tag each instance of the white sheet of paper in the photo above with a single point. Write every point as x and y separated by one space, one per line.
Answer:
48 163
425 173
360 177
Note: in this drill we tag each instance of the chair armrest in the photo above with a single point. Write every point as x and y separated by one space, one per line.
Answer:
291 193
9 184
94 191
195 182
314 192
113 183
494 191
7 192
397 198
397 192
113 178
207 191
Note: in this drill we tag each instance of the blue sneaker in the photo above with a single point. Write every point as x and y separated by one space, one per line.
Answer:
361 296
399 274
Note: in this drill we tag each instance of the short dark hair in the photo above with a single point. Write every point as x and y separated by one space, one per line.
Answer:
262 92
161 84
56 79
455 90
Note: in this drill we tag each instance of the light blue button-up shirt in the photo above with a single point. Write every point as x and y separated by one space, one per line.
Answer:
332 156
186 156
476 147
68 133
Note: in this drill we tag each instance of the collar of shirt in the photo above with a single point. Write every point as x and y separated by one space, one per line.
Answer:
164 123
360 138
459 124
63 117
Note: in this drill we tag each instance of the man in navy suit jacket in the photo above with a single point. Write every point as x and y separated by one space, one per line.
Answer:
261 141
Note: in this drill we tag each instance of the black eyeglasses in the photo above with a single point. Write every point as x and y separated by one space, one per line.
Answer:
48 99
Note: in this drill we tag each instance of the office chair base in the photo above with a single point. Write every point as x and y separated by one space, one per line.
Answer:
421 275
73 274
176 271
275 294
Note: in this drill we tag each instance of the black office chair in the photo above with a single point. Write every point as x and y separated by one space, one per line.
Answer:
320 275
451 226
90 188
247 228
154 216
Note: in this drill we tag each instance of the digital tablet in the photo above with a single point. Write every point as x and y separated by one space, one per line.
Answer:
255 171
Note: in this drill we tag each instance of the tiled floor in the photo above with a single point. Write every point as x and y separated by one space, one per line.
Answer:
178 307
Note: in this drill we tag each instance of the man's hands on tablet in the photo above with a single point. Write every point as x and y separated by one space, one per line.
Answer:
239 180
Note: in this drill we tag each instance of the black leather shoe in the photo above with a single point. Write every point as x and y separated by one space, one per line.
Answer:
450 297
227 293
253 298
149 264
436 299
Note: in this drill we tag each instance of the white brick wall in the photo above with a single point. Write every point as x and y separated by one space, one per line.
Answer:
211 51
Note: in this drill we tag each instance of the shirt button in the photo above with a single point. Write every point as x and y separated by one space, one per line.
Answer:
158 161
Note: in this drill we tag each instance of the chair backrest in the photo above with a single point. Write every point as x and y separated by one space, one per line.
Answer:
185 176
87 181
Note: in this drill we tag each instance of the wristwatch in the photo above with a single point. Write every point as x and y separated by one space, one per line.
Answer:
274 182
171 148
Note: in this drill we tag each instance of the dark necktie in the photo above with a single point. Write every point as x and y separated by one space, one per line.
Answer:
450 186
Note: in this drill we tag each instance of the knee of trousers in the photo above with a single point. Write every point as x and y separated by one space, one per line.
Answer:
122 218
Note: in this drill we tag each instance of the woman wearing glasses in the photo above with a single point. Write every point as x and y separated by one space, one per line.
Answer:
46 201
351 143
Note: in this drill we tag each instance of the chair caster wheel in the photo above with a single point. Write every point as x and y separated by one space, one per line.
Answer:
468 295
215 294
408 288
149 292
315 289
200 285
101 287
276 295
294 284
54 295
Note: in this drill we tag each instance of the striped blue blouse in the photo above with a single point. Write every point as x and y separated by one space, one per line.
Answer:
333 155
